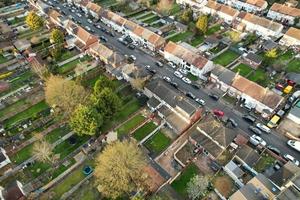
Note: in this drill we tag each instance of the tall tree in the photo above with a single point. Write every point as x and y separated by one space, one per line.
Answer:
197 186
64 94
272 53
43 151
106 102
165 6
85 120
119 169
101 83
56 52
202 24
187 16
34 21
56 37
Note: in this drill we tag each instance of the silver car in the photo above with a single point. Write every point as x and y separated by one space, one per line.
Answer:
263 128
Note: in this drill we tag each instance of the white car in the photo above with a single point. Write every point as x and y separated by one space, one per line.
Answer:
256 140
263 128
166 78
291 158
186 80
78 14
178 74
87 28
200 101
172 65
132 57
183 71
147 66
294 144
90 21
72 11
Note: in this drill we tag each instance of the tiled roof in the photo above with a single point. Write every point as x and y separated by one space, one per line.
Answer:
93 7
185 54
294 33
274 26
101 50
252 89
286 10
257 3
54 14
222 8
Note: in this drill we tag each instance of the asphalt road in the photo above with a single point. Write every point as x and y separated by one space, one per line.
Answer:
275 139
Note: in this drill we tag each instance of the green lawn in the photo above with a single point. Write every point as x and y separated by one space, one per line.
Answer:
38 168
264 162
287 55
181 36
294 66
66 55
30 112
198 39
150 14
3 59
142 132
65 148
42 45
213 29
175 9
226 58
129 125
180 183
152 19
260 77
68 182
57 134
243 69
17 20
13 107
158 142
62 168
192 77
68 66
22 155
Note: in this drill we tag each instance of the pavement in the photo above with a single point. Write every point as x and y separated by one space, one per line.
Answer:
143 58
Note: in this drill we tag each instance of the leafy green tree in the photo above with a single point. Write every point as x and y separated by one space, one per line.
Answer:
187 16
101 83
85 120
34 21
56 37
197 186
107 102
272 53
56 52
202 24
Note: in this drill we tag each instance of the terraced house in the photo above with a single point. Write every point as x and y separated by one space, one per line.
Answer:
291 37
261 26
248 5
283 13
195 63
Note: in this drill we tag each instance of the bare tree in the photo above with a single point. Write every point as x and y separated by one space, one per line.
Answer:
42 151
197 186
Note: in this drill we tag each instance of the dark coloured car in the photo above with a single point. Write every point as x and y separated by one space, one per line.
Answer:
274 149
104 39
131 46
255 130
287 107
159 64
152 71
249 118
232 121
175 85
112 34
191 95
214 96
197 87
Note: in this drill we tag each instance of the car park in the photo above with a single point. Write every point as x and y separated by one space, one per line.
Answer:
274 149
218 113
191 95
255 130
167 79
288 157
263 128
186 80
249 118
159 64
200 101
256 140
178 74
214 96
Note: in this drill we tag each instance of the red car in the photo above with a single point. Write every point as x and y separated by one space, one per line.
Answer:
218 113
279 86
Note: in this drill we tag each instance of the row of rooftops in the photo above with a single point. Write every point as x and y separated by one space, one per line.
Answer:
286 10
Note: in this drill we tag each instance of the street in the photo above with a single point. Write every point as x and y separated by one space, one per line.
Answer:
275 139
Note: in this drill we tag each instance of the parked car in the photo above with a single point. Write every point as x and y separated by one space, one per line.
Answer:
131 46
104 39
233 122
171 64
263 128
132 58
191 95
214 96
249 118
274 149
254 130
167 79
200 101
90 21
186 80
178 74
294 144
112 34
159 64
218 113
256 140
78 14
291 158
197 87
88 28
280 113
175 85
183 71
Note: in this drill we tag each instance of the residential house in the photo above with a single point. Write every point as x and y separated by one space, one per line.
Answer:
225 12
259 98
291 37
131 72
40 5
283 13
269 44
13 192
253 60
22 44
192 3
94 9
6 32
261 26
56 18
83 38
292 192
178 112
294 113
258 188
286 176
212 136
249 5
195 63
4 159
